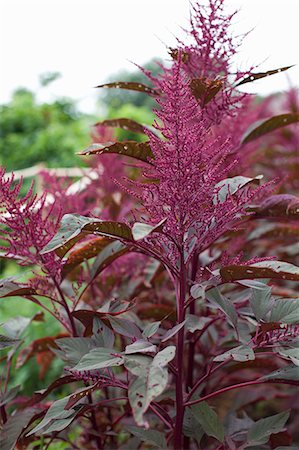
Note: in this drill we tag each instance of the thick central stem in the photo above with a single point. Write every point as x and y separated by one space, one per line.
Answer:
181 294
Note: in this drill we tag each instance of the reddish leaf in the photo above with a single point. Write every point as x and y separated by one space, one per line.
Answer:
44 360
130 85
256 76
264 269
205 90
263 127
126 124
280 439
12 429
281 205
36 347
86 316
269 326
137 150
86 251
9 288
258 363
40 395
79 395
106 257
274 230
73 227
157 312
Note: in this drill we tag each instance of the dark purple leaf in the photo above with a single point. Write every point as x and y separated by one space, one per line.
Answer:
137 150
125 124
263 126
73 227
256 76
205 90
130 85
264 269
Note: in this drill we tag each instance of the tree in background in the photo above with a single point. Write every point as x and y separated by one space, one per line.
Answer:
33 133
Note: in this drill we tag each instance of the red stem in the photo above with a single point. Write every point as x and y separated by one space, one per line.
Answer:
181 293
226 389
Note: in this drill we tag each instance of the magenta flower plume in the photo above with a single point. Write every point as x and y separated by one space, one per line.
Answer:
26 225
189 163
210 54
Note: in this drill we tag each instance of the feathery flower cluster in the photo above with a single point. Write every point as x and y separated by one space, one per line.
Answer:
25 227
286 333
189 162
208 58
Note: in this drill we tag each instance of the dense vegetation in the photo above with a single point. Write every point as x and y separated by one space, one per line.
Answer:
170 268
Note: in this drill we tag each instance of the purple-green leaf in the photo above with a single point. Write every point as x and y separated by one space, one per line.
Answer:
98 358
73 227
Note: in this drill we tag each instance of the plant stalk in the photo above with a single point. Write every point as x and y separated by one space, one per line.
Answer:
181 294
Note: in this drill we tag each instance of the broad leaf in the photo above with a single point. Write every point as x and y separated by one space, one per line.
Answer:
125 327
115 307
14 426
289 373
261 302
142 230
99 358
106 257
264 269
274 230
198 291
126 124
191 427
151 329
140 346
71 350
9 288
79 395
6 342
263 127
173 331
285 311
261 430
6 397
280 205
101 334
137 150
195 323
209 421
152 437
73 227
56 418
130 85
289 353
86 251
224 304
241 353
256 76
137 364
151 381
15 326
230 186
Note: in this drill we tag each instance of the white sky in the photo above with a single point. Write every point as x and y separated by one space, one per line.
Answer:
88 40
